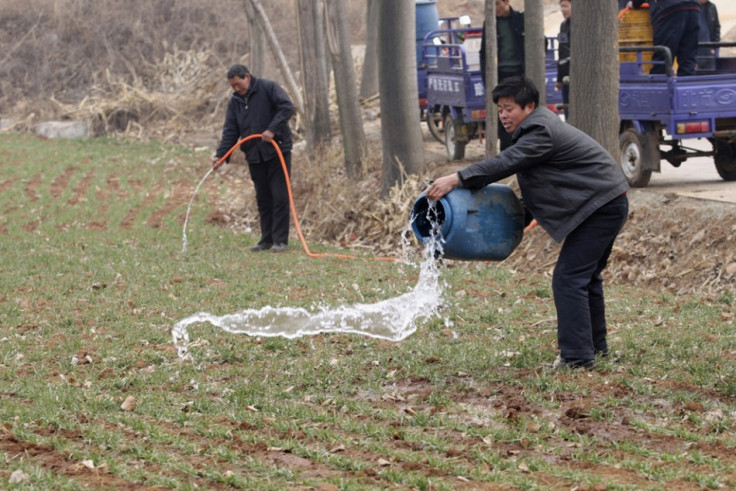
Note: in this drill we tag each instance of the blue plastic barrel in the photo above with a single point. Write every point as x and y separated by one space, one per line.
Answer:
427 20
481 224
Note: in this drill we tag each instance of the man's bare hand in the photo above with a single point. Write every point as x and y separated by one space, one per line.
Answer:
442 186
267 136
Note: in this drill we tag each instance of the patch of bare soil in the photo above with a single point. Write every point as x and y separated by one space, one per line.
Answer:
673 243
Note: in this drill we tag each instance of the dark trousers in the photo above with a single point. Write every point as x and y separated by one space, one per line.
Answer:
272 198
577 283
679 32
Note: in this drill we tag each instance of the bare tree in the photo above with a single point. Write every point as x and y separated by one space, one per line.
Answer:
257 53
315 74
403 151
369 78
351 121
489 32
534 43
279 54
594 92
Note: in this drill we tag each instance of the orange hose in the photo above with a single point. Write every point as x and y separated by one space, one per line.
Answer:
531 225
291 201
626 10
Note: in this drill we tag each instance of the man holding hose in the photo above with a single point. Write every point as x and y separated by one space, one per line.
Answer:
577 193
260 106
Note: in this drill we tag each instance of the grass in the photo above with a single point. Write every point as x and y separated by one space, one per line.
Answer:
93 280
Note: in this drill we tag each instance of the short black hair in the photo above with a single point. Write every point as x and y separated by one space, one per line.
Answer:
520 88
239 71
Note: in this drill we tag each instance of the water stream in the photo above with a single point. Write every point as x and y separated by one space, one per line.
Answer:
184 241
392 319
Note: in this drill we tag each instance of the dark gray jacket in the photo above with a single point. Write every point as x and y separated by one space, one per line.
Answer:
564 174
265 106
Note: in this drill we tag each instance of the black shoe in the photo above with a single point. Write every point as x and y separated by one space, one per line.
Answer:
574 364
279 247
261 246
601 352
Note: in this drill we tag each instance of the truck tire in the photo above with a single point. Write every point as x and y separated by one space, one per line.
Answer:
455 149
639 154
725 159
434 123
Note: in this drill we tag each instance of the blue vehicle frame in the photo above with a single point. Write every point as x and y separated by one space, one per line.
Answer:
662 110
455 95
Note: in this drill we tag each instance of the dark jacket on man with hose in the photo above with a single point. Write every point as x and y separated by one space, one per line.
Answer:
265 106
564 175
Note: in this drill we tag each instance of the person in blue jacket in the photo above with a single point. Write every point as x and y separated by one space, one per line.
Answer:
576 191
260 106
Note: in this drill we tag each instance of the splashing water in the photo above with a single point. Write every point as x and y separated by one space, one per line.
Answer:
393 319
184 241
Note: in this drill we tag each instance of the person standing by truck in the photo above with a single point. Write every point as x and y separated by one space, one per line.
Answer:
577 193
676 24
510 50
710 32
260 106
563 56
709 14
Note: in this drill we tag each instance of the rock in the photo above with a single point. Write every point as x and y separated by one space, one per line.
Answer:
62 129
18 476
128 404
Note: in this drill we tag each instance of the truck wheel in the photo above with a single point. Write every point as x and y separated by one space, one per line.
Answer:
638 154
455 149
434 123
725 159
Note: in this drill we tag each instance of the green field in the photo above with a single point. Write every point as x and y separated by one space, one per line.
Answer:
94 279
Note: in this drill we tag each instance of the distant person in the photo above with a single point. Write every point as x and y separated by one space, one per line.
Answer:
710 32
510 50
709 12
676 24
260 106
577 193
563 55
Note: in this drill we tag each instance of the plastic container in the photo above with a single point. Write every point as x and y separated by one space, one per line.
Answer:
482 224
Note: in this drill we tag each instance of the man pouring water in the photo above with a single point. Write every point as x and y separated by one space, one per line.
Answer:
577 193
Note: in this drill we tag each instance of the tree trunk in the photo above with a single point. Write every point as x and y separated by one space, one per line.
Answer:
351 121
369 78
403 152
534 44
594 92
256 61
273 43
491 125
314 72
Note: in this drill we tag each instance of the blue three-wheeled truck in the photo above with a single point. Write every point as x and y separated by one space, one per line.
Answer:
658 112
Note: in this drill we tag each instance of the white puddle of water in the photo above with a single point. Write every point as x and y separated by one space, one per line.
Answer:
393 319
184 241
